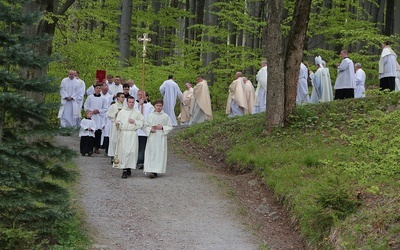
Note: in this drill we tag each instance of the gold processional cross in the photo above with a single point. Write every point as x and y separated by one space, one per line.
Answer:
144 39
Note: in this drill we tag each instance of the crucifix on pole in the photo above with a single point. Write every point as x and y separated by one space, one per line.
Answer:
144 39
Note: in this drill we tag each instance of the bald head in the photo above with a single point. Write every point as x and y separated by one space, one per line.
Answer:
238 74
71 74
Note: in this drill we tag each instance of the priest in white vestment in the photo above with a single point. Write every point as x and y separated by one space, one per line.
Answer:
83 89
359 91
105 133
260 104
145 108
200 106
99 106
133 89
170 92
321 82
70 92
157 126
236 104
387 68
116 87
128 121
187 97
302 86
112 113
250 94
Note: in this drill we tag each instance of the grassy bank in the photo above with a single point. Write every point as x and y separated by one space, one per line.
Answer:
336 166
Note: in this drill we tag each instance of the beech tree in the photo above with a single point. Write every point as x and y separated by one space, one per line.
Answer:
284 60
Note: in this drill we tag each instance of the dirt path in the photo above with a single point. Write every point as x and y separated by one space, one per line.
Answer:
183 209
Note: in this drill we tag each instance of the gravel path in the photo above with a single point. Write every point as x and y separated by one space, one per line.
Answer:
183 209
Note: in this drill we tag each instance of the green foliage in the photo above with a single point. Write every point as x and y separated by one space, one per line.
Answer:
31 199
335 167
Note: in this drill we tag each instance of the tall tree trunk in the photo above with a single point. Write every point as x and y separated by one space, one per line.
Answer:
125 33
42 28
275 94
200 13
396 26
210 19
294 53
389 18
160 31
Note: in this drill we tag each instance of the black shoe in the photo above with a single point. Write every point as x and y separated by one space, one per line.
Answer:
90 153
112 159
139 166
152 175
129 172
124 174
83 154
155 175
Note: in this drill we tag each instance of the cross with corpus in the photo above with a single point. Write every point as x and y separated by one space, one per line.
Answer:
144 39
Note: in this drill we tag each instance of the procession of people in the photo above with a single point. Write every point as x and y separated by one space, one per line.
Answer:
121 120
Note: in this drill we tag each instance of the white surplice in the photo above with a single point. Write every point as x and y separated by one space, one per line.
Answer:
155 156
128 144
113 135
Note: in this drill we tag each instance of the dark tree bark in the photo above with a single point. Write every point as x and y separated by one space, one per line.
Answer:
210 19
275 94
389 18
294 53
125 33
42 28
283 72
396 26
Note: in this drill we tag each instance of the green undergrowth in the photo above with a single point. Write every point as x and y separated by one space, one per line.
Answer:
336 166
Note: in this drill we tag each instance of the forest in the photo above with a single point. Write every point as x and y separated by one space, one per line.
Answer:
41 40
211 38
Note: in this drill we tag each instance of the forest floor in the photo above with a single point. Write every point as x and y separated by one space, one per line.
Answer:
193 206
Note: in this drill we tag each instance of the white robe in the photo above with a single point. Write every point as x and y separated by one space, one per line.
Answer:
133 91
170 92
155 155
360 84
236 104
148 108
261 91
128 144
115 89
97 102
250 96
200 104
108 97
85 124
90 90
113 135
322 86
83 87
69 111
187 97
387 63
107 123
345 77
302 86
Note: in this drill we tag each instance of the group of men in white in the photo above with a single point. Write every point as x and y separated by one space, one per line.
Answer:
350 83
120 119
